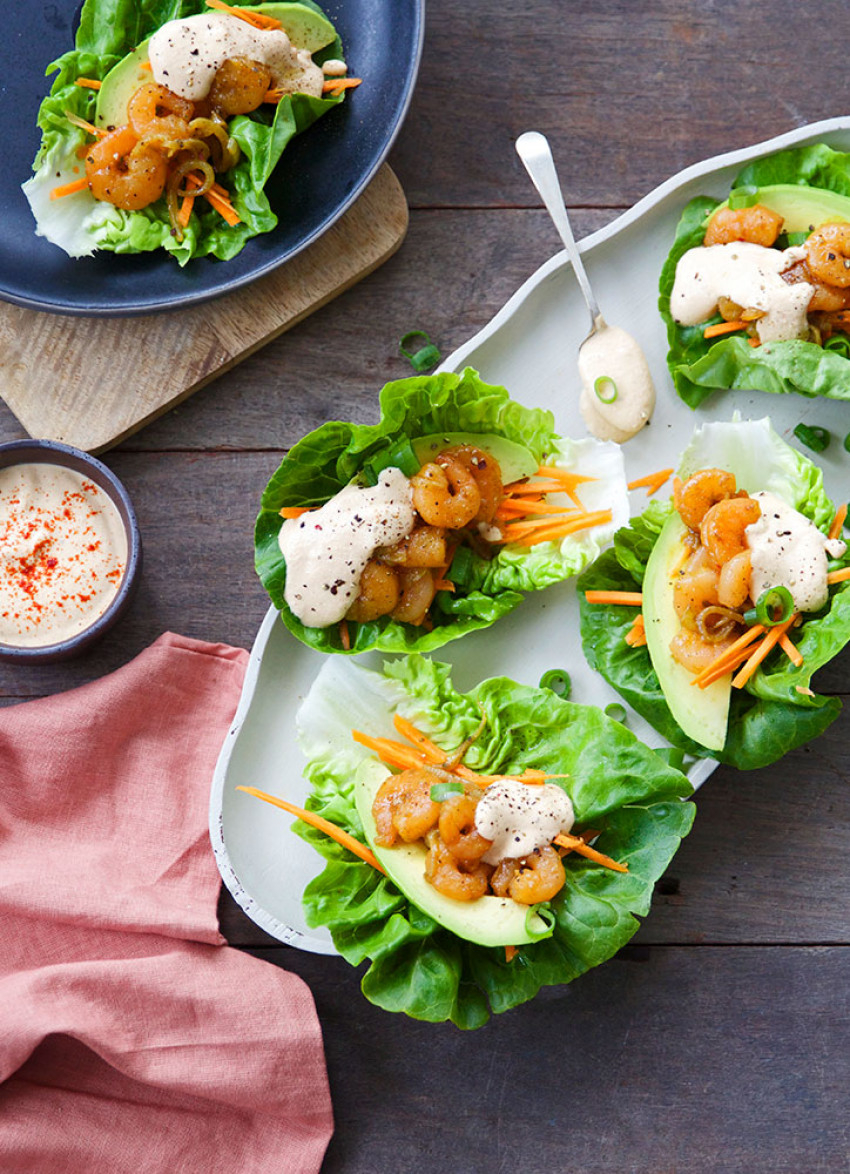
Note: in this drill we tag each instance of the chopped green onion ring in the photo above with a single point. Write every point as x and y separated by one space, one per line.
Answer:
545 913
605 388
847 442
558 680
425 357
441 791
616 711
743 197
775 597
813 437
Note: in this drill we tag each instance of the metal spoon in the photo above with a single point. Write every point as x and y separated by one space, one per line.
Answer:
605 348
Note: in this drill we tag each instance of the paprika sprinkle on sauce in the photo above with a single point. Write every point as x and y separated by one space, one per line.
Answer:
63 552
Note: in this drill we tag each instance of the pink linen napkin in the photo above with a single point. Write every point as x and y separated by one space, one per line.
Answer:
131 1037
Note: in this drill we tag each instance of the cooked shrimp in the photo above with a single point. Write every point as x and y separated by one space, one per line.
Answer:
449 876
692 592
503 874
825 298
446 494
125 172
757 224
828 254
423 547
239 86
403 807
486 472
540 877
155 110
699 493
378 594
723 529
457 828
416 594
694 653
733 587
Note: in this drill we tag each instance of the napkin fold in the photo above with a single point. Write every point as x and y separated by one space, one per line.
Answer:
131 1037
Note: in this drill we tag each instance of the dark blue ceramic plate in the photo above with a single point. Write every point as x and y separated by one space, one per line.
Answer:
320 174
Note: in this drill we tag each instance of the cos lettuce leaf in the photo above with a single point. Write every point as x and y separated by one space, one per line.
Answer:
700 366
79 224
770 715
326 460
615 782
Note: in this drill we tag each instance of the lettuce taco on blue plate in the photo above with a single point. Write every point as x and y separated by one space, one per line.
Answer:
165 122
570 894
713 610
756 289
402 535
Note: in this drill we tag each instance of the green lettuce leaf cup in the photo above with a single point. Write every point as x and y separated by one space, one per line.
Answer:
812 184
616 784
110 30
329 458
776 710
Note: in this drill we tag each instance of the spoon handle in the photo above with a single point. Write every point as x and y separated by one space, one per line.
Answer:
534 150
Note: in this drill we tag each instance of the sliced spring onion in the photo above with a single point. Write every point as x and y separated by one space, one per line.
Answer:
399 456
461 568
847 442
423 359
441 791
812 437
743 197
616 711
546 915
558 680
605 388
775 597
796 238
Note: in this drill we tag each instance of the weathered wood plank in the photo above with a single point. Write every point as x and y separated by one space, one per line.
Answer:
675 1061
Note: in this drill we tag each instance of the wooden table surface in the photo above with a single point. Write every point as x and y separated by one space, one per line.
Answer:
718 1040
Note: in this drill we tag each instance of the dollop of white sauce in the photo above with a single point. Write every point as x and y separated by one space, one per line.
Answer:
611 353
327 549
185 55
518 817
749 275
787 550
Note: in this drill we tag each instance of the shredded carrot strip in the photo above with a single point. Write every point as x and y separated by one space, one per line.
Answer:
532 488
273 95
510 953
318 821
443 585
754 342
223 206
577 844
724 328
88 127
147 66
790 649
68 189
392 753
294 511
723 670
88 83
569 481
338 84
755 631
185 210
770 641
408 730
838 576
344 637
511 508
258 19
838 521
636 635
530 533
630 597
652 482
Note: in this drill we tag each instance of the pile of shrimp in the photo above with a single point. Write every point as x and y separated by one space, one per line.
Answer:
454 495
404 810
826 265
173 145
712 588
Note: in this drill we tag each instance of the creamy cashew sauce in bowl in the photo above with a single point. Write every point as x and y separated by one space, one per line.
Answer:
69 551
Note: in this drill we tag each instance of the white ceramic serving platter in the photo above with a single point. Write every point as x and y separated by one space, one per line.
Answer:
529 347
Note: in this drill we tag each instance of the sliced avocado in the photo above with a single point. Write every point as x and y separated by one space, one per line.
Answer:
489 921
305 28
119 85
702 714
515 461
802 208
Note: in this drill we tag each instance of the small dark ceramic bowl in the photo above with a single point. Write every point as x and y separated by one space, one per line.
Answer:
48 452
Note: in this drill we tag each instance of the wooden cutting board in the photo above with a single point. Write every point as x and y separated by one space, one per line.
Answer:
65 377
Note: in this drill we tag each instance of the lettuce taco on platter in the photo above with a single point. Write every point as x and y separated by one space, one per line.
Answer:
405 534
742 582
